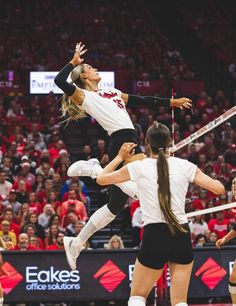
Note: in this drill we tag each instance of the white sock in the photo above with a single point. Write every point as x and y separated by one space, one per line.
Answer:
129 188
98 220
137 301
181 304
1 301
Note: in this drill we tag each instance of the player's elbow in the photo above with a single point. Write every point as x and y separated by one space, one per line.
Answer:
220 189
101 181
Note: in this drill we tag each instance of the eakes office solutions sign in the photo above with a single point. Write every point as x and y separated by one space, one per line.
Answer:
100 275
42 82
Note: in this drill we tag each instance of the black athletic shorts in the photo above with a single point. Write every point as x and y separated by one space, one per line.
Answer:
121 136
159 246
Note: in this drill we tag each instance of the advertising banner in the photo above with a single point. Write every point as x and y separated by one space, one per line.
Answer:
42 82
45 276
101 275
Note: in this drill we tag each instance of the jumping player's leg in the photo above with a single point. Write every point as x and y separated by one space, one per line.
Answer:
180 277
92 169
232 284
140 289
101 218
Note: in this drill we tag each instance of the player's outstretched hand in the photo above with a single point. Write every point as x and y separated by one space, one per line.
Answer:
79 51
181 103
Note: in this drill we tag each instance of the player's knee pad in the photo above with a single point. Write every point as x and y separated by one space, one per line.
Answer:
232 288
137 301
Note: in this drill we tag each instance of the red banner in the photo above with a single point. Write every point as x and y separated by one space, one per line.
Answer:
181 88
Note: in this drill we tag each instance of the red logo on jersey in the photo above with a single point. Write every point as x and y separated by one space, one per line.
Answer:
107 95
110 276
110 95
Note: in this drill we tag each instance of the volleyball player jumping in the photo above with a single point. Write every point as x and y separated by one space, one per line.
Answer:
108 107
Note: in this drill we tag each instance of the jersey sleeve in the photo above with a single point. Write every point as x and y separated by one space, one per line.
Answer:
189 170
88 99
135 170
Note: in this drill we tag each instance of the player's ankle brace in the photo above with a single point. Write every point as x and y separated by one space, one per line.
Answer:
137 301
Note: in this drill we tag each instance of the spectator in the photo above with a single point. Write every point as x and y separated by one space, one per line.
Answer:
198 226
31 231
79 225
213 238
39 183
43 195
34 205
52 235
37 137
9 216
34 241
202 201
22 217
57 183
33 219
200 240
58 245
5 186
5 231
72 219
73 205
45 170
43 218
219 225
53 200
115 243
55 220
28 176
22 194
23 243
12 203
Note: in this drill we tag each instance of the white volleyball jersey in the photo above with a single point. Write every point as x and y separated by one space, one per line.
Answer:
144 173
107 107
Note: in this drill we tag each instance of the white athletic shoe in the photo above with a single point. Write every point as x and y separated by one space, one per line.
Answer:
72 252
89 167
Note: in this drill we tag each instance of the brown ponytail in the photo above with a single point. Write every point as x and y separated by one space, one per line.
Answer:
158 137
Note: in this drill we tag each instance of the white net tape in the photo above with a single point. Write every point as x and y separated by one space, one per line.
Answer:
210 210
208 127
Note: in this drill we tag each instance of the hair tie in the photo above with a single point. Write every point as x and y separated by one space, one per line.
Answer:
160 149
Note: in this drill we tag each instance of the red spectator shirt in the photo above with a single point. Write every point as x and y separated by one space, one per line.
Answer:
54 246
30 247
78 208
36 208
220 228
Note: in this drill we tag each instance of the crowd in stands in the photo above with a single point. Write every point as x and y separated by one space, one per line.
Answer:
39 204
214 25
125 43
